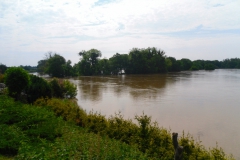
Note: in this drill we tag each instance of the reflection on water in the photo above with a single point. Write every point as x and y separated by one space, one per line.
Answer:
204 103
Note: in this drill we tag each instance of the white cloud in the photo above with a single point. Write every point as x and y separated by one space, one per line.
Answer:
117 26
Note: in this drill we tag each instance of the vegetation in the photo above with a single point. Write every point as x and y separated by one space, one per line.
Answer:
28 88
38 131
28 68
17 80
37 88
137 61
3 68
31 132
151 140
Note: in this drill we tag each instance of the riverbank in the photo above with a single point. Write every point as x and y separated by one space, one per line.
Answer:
54 128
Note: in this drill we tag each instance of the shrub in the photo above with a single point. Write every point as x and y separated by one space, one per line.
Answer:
38 87
31 132
16 79
69 89
68 109
63 88
57 90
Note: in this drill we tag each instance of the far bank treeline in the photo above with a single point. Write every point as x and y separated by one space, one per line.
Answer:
137 61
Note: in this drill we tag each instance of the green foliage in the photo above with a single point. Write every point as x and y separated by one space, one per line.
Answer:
231 63
89 62
172 64
104 67
153 141
69 89
29 68
118 63
63 88
21 123
37 88
16 79
185 64
145 61
67 109
57 89
55 65
42 66
31 132
3 68
209 67
34 132
1 78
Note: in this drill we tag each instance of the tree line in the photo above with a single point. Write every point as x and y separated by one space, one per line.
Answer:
137 61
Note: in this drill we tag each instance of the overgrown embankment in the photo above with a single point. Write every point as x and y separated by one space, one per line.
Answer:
59 129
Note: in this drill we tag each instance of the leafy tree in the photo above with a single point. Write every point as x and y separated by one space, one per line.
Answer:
104 66
3 68
68 69
149 60
185 64
38 88
16 79
209 67
89 61
63 88
172 64
55 66
41 67
118 63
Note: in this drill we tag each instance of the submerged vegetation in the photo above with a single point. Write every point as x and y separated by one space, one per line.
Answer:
60 129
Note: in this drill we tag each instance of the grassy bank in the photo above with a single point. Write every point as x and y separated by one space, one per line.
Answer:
59 129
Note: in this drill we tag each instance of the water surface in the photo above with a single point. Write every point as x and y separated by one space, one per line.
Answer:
203 103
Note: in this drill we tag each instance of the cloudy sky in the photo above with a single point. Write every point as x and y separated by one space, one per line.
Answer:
194 29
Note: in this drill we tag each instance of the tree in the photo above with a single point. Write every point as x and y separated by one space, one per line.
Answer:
149 60
63 88
118 63
173 65
16 79
104 66
68 69
89 61
209 67
185 64
55 66
3 68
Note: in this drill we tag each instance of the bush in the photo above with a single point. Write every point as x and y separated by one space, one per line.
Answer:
69 89
63 88
16 79
38 87
31 132
68 109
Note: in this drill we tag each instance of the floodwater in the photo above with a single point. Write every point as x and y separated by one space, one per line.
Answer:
204 103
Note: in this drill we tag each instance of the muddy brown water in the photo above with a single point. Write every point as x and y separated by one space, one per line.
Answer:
204 103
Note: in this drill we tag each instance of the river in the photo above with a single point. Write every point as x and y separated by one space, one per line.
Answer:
204 103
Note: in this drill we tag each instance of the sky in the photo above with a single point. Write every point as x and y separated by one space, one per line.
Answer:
193 29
